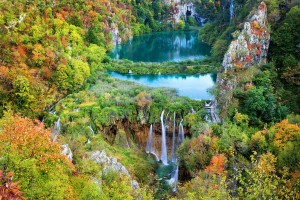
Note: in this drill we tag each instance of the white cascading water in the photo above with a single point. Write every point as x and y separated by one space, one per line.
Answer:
92 131
174 179
149 141
164 154
231 9
173 140
172 182
56 130
180 134
57 127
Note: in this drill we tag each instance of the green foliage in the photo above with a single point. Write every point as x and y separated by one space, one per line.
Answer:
22 92
179 25
233 138
201 187
219 49
262 181
184 67
196 153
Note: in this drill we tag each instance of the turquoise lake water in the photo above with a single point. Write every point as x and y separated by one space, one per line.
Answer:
168 46
192 86
163 46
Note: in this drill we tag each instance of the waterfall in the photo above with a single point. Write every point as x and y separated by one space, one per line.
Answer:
211 115
164 154
92 131
173 140
57 127
180 134
149 147
231 9
174 179
172 176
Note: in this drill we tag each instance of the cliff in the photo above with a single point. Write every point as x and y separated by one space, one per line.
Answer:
249 49
252 43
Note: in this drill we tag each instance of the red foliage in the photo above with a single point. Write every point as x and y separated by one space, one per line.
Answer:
217 164
9 190
63 61
249 46
63 41
248 58
259 45
46 73
258 52
21 51
29 138
262 6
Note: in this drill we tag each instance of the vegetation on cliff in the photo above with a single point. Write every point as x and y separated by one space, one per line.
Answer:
55 49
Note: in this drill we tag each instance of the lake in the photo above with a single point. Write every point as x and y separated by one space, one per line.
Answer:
192 86
162 46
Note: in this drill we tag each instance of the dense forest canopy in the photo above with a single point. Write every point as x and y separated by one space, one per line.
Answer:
66 125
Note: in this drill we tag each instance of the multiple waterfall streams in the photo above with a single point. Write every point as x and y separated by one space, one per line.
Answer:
169 165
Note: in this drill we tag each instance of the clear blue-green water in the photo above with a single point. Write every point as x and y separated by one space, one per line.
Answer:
163 46
192 86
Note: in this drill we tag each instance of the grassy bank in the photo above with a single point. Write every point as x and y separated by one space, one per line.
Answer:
184 67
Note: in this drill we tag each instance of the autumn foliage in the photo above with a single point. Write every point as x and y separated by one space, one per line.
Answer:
9 190
29 138
285 132
27 150
217 164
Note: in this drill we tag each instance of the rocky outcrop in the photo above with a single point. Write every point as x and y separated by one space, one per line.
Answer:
184 10
111 163
66 150
252 43
116 39
120 29
249 49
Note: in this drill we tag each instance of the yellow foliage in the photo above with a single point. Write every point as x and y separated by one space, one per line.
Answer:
285 132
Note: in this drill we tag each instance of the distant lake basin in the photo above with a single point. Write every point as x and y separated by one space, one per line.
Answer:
162 47
192 86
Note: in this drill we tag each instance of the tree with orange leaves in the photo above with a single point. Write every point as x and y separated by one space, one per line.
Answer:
27 150
217 164
9 190
285 132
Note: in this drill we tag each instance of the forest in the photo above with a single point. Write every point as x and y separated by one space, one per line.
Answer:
68 130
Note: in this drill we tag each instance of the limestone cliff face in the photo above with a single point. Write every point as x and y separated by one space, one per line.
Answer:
251 46
182 9
120 29
249 49
111 163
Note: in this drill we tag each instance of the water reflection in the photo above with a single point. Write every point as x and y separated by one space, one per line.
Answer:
193 86
160 47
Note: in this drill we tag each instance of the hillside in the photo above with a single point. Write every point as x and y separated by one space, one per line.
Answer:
69 130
